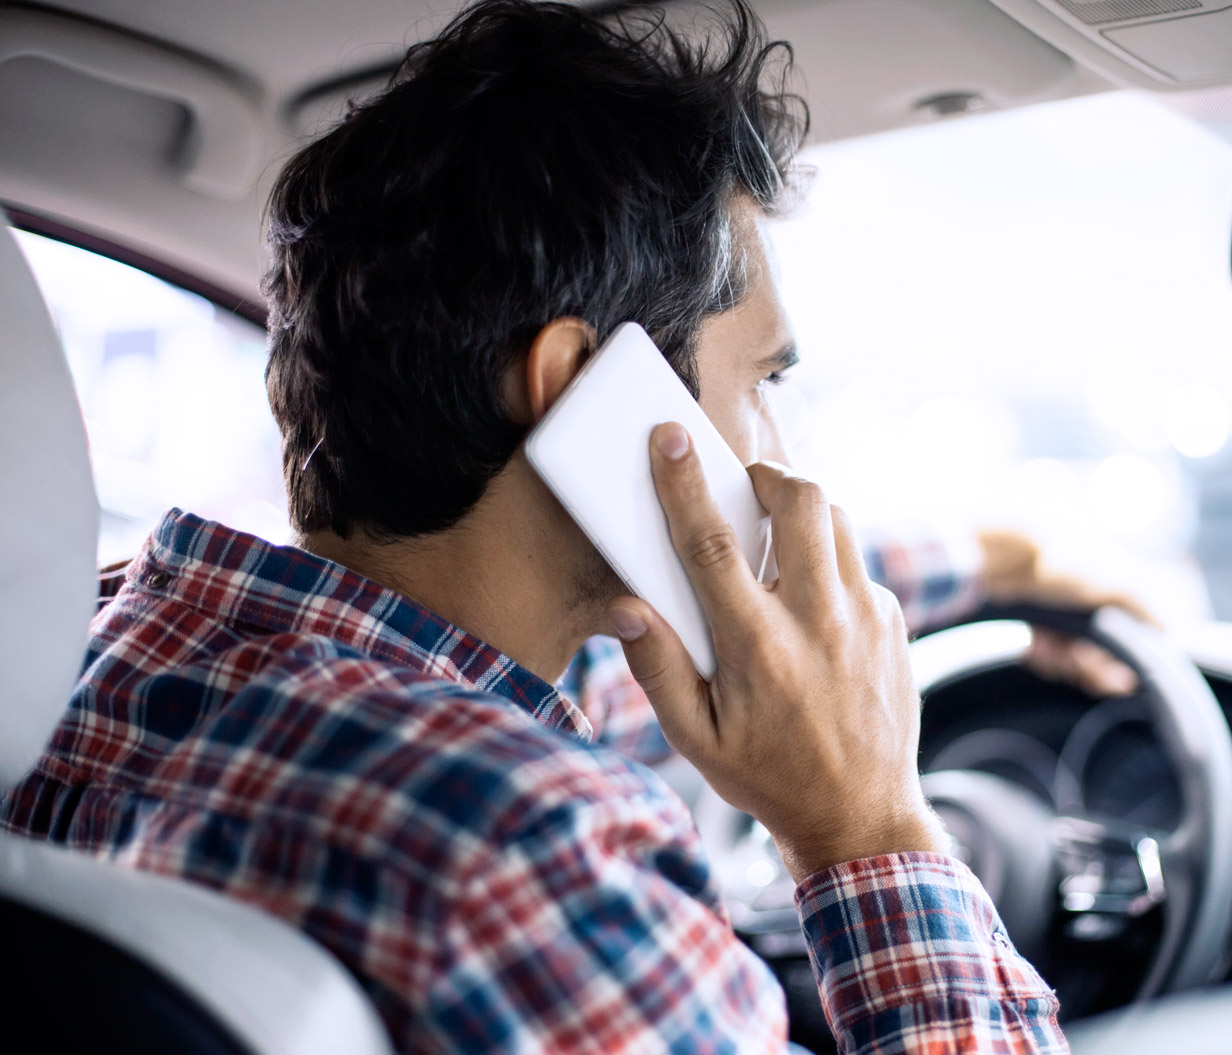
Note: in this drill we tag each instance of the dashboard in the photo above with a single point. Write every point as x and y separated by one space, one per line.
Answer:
1079 756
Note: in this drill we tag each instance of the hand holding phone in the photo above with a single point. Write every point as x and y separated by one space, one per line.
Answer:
812 721
592 450
805 714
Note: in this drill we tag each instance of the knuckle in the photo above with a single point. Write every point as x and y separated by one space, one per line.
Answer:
877 597
888 605
807 495
712 546
884 597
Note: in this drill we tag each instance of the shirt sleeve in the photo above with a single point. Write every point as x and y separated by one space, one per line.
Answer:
935 574
911 957
594 927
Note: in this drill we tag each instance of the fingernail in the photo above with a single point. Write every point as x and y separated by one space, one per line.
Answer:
629 626
672 441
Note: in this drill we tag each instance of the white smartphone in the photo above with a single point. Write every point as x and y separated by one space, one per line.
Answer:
592 449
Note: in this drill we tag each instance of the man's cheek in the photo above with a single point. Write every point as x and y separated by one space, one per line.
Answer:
749 437
770 444
736 418
741 435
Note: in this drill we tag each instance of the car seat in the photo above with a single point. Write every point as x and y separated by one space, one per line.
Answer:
102 957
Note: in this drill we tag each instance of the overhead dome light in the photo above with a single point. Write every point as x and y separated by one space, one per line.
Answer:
950 104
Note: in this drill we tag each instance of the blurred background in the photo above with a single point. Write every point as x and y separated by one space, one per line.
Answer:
1020 319
1025 319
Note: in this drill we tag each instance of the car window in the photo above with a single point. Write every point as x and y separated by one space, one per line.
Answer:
171 388
1025 319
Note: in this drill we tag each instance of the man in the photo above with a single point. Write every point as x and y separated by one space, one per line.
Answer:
360 733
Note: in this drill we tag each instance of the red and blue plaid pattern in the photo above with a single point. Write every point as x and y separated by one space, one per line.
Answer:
269 724
910 956
935 574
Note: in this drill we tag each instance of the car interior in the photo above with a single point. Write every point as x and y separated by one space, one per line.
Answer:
138 142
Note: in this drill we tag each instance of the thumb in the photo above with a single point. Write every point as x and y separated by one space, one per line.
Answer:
662 667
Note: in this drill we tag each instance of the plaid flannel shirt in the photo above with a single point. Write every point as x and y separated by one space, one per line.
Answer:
272 725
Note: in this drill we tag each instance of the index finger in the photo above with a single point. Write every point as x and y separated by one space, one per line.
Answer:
704 540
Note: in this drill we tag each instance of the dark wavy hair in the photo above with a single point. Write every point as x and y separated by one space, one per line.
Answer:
532 161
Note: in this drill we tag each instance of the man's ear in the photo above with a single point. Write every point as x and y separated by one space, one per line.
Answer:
555 357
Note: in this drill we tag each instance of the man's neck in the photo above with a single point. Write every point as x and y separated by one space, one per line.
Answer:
500 574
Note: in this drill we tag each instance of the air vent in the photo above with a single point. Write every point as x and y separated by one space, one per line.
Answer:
1098 12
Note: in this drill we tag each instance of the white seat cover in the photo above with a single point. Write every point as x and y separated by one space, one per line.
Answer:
270 985
49 525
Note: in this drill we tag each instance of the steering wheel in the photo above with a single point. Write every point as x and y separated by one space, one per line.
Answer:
1090 874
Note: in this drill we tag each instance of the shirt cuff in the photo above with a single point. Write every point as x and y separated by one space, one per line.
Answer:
916 933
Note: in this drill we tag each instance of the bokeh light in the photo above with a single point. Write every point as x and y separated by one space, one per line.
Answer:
1197 420
1021 319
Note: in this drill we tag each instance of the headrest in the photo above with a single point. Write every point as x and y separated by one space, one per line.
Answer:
48 523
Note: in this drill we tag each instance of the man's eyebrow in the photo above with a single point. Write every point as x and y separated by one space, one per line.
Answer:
784 359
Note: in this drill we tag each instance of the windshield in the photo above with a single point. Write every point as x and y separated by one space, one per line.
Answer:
1023 319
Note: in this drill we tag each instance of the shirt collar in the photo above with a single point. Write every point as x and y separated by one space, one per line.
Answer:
283 589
